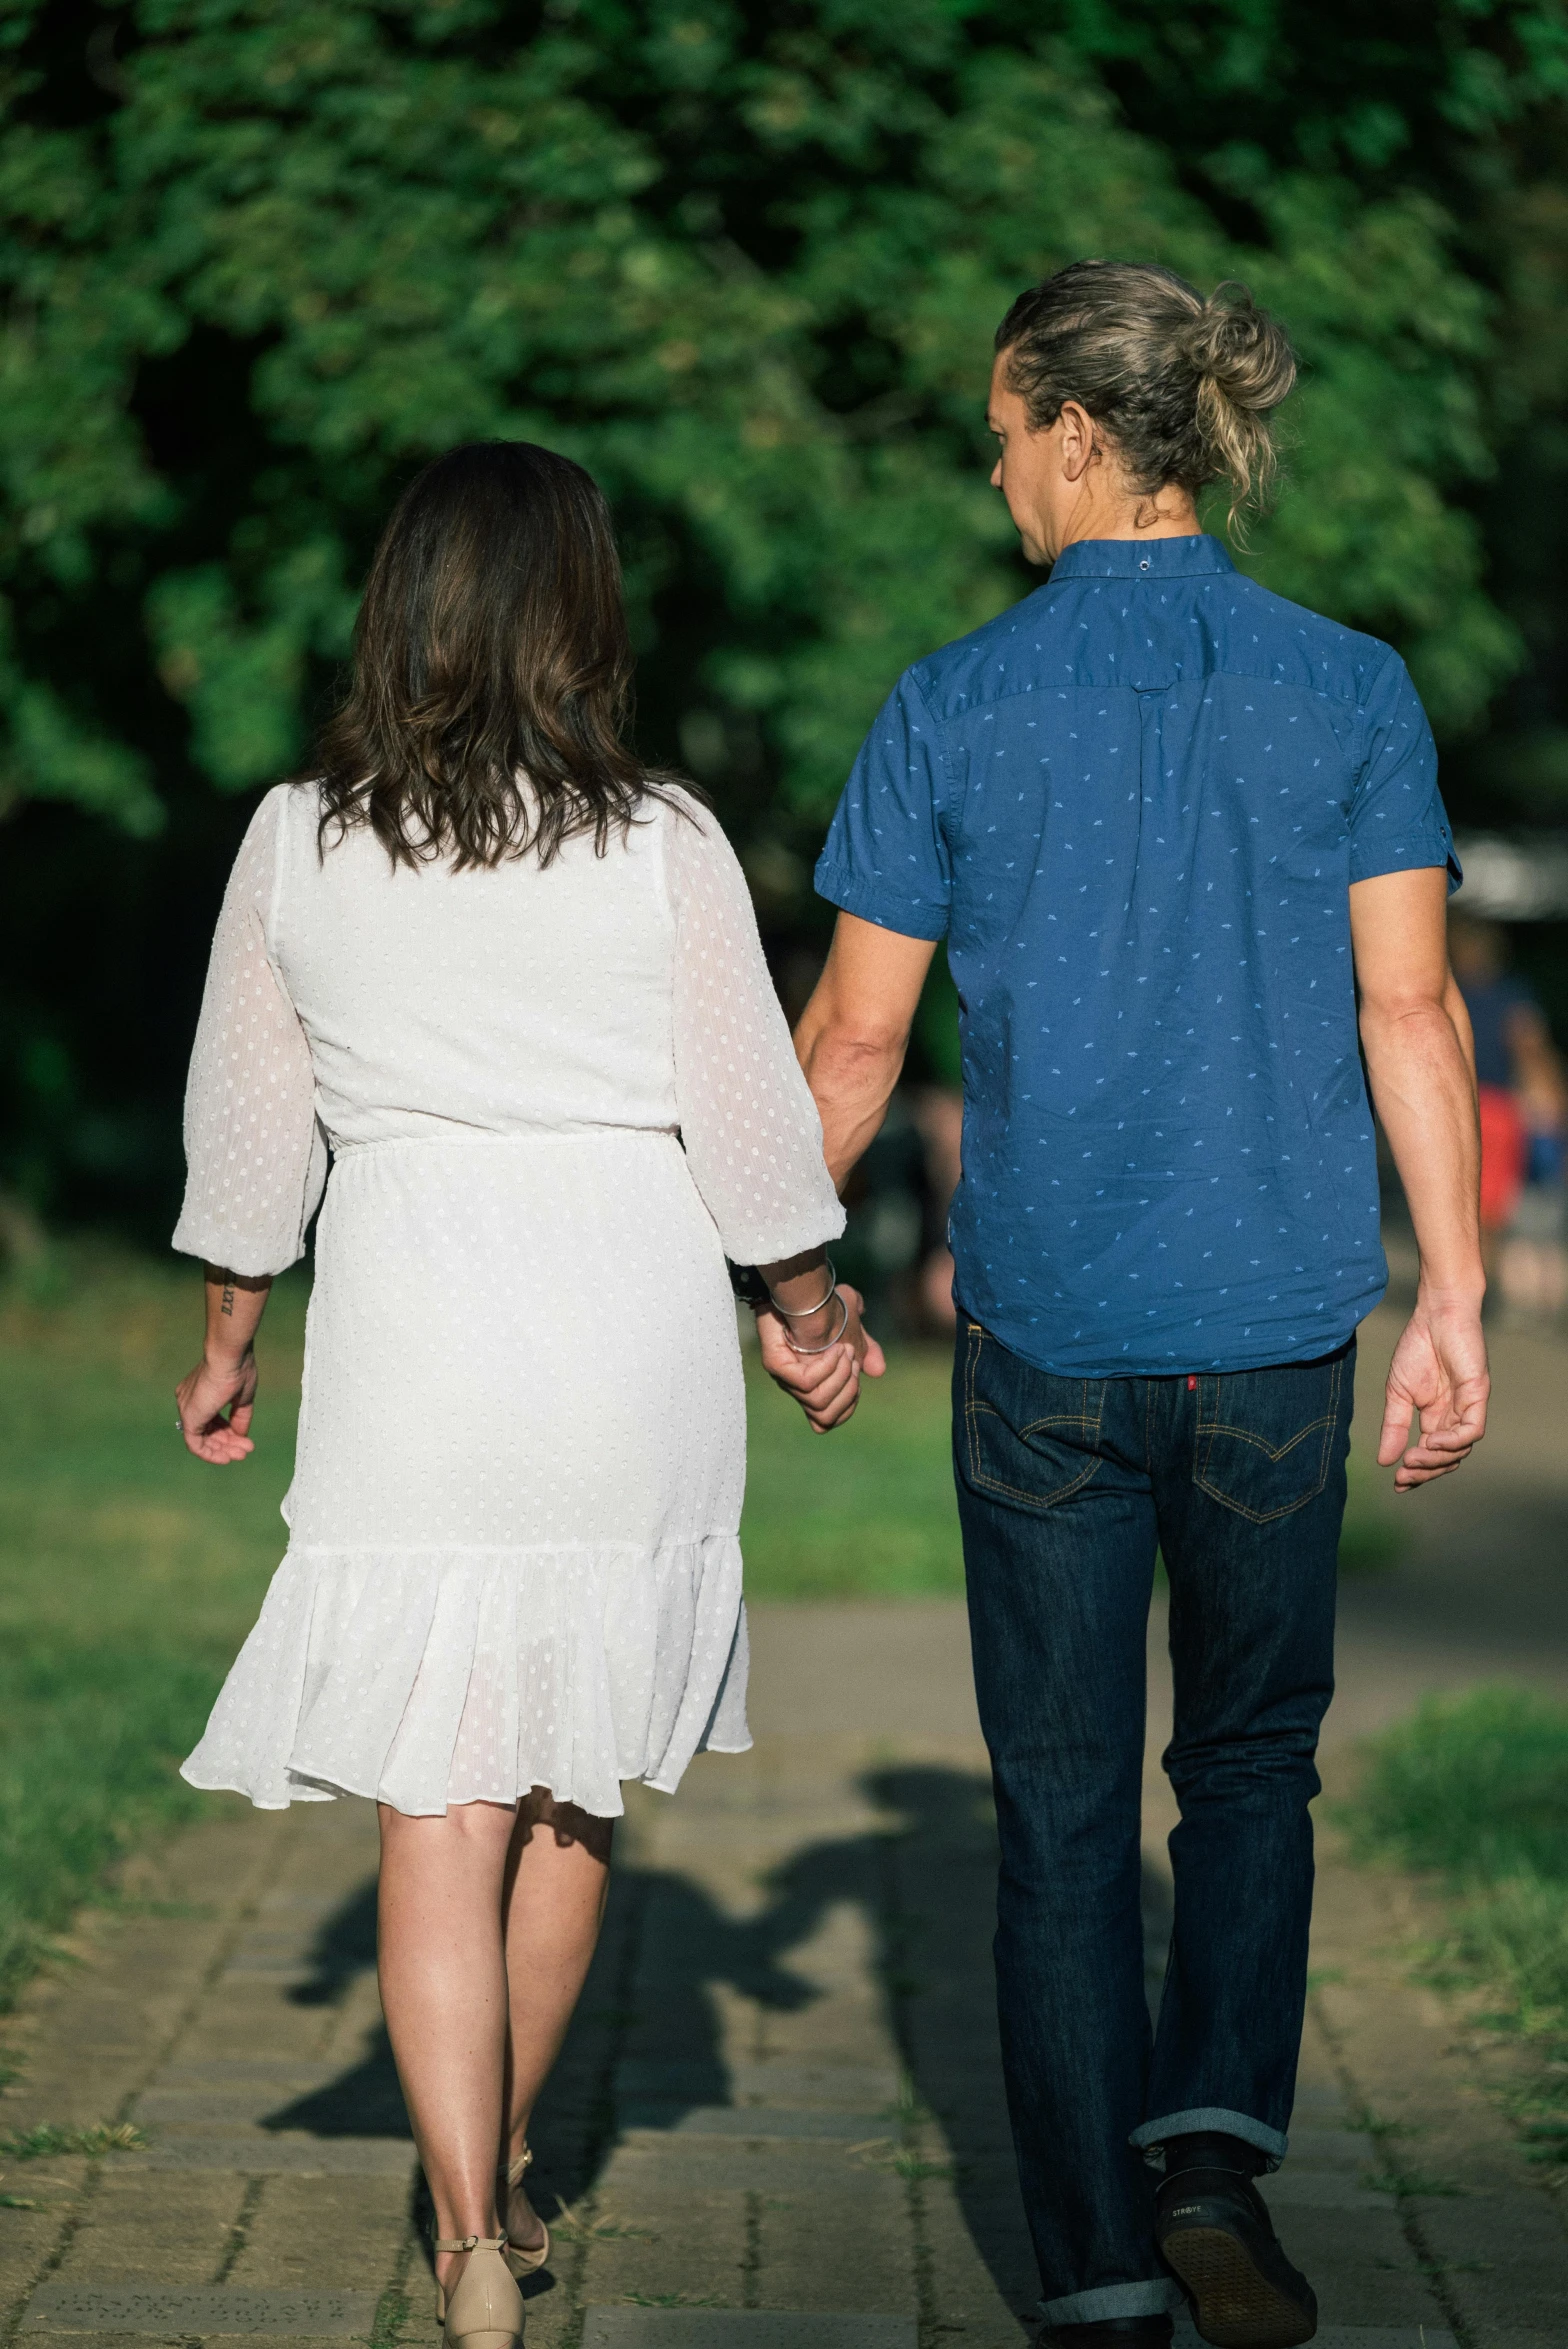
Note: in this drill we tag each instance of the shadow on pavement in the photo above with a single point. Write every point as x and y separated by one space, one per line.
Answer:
344 1949
923 1879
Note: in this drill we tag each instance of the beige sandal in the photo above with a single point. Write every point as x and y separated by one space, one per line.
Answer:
522 2263
486 2308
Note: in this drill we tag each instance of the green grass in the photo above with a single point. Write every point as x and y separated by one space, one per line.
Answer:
129 1574
1371 1538
1475 1785
866 1512
47 2139
1475 1788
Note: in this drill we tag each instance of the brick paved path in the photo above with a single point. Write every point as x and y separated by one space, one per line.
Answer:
778 2124
781 2096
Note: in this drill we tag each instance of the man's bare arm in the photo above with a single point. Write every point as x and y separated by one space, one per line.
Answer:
854 1033
851 1040
1421 1064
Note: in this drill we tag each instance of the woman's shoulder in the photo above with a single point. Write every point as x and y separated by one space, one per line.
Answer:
674 802
257 855
693 843
283 845
287 807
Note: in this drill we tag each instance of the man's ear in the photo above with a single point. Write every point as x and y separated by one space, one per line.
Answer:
1076 426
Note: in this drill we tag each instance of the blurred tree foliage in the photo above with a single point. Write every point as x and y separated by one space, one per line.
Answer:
261 258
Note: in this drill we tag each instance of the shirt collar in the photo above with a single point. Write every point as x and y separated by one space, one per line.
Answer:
1140 558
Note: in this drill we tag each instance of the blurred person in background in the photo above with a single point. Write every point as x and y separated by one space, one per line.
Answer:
1170 827
1524 1112
512 981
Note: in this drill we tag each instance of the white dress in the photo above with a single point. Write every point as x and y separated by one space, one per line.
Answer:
553 1101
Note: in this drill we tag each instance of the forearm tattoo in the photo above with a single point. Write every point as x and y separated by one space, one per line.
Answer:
226 1307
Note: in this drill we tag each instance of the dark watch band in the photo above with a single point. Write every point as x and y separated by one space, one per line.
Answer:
748 1284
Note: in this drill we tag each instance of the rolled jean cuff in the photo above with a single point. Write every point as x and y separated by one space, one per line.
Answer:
1206 2119
1091 2308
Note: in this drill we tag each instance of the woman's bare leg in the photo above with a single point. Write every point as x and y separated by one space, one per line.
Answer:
558 1873
444 1993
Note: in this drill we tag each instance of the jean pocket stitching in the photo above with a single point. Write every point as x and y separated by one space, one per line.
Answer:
1263 1516
976 1339
1248 1435
1266 1516
980 1477
985 1482
1326 1423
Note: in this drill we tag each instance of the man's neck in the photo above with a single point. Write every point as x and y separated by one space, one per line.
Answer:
1169 515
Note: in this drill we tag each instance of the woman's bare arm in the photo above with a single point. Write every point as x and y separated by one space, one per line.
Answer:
216 1399
824 1378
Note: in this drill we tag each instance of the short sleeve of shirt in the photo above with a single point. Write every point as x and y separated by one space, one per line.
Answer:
1397 819
886 857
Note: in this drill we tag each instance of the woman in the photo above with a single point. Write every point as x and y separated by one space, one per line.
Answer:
511 981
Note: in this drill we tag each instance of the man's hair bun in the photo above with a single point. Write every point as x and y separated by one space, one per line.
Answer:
1185 387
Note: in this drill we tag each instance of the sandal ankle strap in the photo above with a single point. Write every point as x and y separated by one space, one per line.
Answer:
512 2171
468 2243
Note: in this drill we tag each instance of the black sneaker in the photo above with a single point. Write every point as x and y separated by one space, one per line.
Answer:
1116 2332
1216 2236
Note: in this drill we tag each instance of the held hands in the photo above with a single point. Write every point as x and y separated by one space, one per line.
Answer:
826 1386
1439 1369
215 1403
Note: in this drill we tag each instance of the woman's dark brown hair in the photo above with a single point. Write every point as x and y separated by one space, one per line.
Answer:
1183 386
491 690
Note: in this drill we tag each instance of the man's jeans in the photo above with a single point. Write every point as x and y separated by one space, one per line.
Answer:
1066 1488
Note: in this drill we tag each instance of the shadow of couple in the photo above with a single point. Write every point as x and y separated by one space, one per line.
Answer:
648 2029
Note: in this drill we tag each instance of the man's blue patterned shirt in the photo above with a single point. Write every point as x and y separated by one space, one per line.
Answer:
1134 806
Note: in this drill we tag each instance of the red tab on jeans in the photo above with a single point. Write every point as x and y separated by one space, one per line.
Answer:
1191 1384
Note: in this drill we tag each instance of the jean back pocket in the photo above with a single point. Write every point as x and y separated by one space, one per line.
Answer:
1029 1437
1265 1438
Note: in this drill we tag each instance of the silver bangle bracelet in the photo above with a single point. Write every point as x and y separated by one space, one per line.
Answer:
804 1312
827 1347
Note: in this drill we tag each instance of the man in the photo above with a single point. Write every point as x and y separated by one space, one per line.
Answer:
1171 828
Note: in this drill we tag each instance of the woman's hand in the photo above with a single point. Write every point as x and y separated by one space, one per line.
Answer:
215 1403
826 1386
216 1400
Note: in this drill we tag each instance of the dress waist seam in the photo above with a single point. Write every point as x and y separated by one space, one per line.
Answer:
615 1542
545 1135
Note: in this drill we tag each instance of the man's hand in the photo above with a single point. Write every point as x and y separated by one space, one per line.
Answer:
826 1386
1420 1058
1439 1369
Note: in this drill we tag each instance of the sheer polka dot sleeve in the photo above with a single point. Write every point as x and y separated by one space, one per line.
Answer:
255 1156
752 1135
